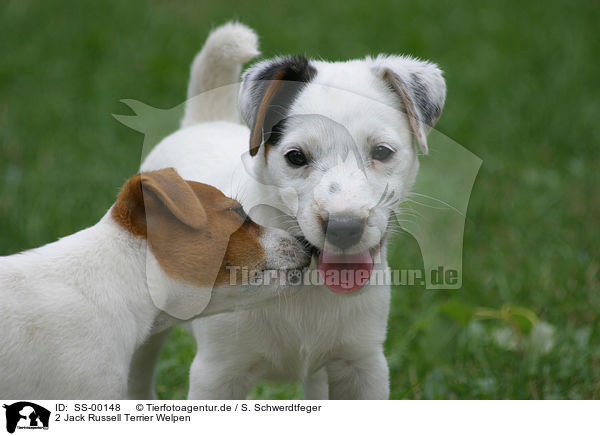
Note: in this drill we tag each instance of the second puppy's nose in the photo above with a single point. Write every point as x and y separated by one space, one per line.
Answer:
343 231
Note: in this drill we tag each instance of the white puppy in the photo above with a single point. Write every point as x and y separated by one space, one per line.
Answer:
73 312
332 151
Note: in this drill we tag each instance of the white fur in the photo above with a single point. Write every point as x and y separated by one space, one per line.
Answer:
311 330
332 343
72 312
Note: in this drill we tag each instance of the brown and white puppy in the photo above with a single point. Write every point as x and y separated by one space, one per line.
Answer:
73 312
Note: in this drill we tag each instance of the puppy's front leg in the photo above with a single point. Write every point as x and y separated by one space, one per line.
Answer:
141 369
359 378
315 386
222 380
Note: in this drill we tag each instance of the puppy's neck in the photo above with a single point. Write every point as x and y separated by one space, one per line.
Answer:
118 271
158 301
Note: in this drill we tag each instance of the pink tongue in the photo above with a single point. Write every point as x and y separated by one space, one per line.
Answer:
345 274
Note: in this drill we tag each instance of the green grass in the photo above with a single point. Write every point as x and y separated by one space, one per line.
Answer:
523 95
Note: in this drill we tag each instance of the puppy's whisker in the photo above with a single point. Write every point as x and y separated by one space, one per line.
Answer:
381 199
391 195
409 221
447 206
408 211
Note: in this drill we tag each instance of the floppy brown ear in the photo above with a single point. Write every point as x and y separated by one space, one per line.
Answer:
422 89
176 195
267 91
157 189
258 128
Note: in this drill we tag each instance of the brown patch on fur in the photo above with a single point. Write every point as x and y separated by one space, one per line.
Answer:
268 148
257 131
176 195
398 85
128 211
192 229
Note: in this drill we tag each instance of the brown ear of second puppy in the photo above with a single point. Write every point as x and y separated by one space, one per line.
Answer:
172 192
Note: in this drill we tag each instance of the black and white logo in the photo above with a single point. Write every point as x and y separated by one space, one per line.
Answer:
294 277
26 415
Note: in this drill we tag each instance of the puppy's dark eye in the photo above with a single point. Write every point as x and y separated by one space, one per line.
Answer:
296 158
382 153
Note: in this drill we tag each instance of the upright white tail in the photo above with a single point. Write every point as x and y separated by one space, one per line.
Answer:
215 73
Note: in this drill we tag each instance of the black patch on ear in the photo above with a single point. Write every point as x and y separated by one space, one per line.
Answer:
294 72
296 67
428 111
276 133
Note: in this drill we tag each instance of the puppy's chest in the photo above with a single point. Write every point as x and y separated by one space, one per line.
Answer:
300 345
306 331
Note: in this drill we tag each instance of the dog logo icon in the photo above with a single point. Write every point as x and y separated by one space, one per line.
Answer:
294 277
26 415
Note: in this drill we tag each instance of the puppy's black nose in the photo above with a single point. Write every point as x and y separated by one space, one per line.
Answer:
343 231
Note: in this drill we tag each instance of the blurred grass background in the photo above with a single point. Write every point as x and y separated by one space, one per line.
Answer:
523 95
